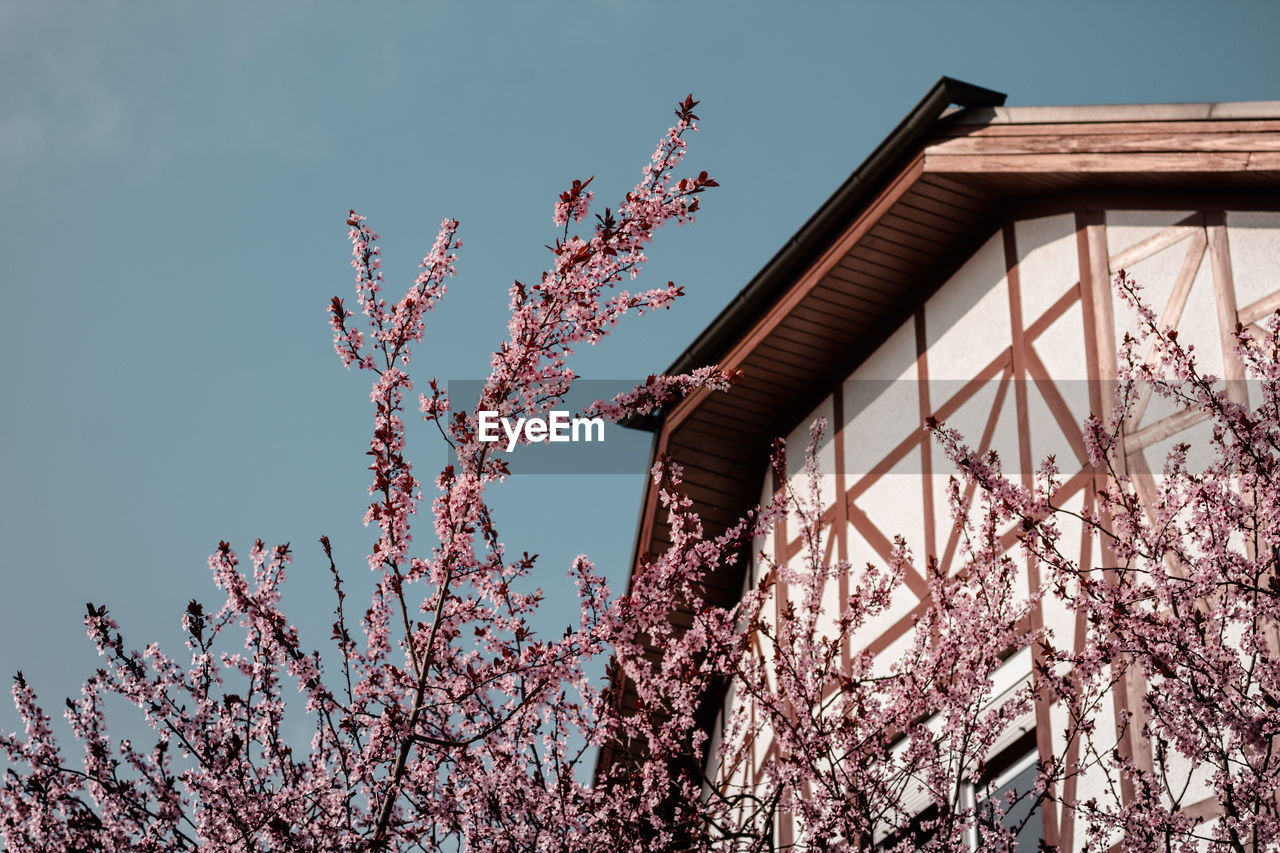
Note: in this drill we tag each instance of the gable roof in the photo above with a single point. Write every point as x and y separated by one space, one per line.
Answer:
957 168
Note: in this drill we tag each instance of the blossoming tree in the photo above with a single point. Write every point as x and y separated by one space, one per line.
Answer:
1187 606
446 722
447 725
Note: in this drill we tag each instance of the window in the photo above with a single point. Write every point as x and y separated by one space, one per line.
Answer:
1011 776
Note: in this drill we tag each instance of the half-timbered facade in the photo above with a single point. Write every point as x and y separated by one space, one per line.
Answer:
964 272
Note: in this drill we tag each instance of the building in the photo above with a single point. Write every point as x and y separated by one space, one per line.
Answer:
964 271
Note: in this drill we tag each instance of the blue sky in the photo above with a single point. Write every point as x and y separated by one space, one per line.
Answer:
175 179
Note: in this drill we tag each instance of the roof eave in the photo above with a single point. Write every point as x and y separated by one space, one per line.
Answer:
823 225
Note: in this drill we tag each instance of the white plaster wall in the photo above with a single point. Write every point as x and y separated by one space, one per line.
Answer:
1254 245
1092 781
1126 228
1199 455
1255 254
1048 270
1060 351
797 443
880 402
1047 261
882 409
1198 325
1058 616
967 325
967 320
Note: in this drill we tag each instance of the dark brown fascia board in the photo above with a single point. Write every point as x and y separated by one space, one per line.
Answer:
823 227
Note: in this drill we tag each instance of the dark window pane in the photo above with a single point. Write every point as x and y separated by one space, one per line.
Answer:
913 832
1029 838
